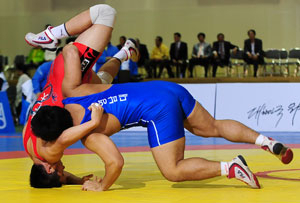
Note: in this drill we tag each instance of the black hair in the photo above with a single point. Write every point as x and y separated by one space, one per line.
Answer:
47 25
58 50
220 35
251 30
201 34
123 37
39 178
177 34
50 121
159 38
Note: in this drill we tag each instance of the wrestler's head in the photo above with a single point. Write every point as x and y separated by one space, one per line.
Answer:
50 121
45 175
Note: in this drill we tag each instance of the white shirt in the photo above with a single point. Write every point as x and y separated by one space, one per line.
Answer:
125 65
22 79
252 48
5 83
201 50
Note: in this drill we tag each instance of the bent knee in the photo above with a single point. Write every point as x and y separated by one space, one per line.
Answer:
103 14
70 50
172 175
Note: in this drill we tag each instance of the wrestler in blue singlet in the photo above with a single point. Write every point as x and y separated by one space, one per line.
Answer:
160 106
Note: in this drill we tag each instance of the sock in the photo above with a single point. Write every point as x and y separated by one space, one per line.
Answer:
121 55
260 140
224 168
60 32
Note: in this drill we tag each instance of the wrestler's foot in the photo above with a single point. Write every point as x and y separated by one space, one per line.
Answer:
44 39
131 50
283 153
238 169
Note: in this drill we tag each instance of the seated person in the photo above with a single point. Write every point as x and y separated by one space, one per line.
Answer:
3 82
201 55
221 53
107 54
144 57
179 54
122 40
160 57
253 51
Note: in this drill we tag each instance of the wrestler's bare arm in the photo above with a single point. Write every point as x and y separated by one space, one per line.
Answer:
104 147
54 151
71 179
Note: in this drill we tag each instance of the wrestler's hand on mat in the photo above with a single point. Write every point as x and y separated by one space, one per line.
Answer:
86 178
93 185
97 112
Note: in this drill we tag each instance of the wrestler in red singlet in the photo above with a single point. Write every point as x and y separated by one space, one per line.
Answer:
52 93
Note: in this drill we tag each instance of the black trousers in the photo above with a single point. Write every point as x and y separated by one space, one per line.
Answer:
180 68
165 63
199 61
218 62
259 60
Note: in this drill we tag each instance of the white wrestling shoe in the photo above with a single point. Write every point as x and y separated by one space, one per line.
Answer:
283 153
44 39
238 169
131 50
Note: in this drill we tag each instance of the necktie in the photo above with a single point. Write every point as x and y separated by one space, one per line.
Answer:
177 50
221 50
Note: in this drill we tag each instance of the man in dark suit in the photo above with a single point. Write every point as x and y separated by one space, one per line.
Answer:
221 52
144 57
178 54
253 51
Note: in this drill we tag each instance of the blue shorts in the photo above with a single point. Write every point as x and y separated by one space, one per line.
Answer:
168 125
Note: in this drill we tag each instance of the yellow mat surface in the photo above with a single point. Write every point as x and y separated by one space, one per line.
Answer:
141 181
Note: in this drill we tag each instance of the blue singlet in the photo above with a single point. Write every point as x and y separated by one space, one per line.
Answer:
160 106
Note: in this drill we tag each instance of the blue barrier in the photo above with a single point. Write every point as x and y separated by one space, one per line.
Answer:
6 120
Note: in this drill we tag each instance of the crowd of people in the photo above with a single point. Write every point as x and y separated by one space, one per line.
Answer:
203 54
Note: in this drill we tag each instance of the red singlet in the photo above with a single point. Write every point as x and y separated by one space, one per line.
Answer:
52 93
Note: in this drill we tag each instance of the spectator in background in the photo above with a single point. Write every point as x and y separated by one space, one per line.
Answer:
50 55
122 42
3 82
221 52
107 54
36 56
201 54
40 77
144 58
253 51
21 71
160 57
178 54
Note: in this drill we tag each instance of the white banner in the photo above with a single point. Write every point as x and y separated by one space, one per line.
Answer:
203 93
261 106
